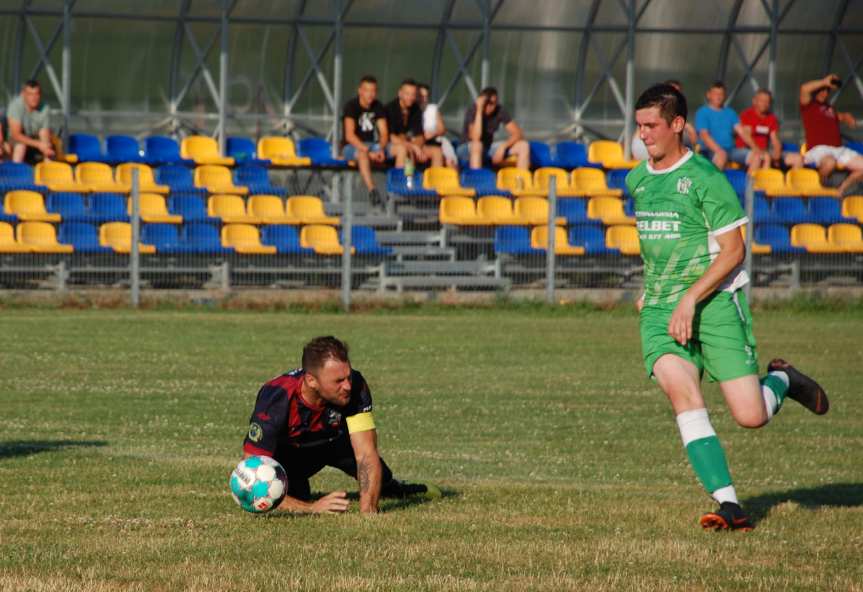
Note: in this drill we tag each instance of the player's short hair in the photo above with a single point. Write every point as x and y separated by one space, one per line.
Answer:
32 84
488 92
717 84
408 82
368 78
670 101
320 349
764 91
673 82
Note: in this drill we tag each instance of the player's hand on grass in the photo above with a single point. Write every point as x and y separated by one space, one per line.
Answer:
332 503
680 325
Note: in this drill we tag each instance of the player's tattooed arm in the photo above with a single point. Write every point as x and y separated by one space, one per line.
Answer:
369 469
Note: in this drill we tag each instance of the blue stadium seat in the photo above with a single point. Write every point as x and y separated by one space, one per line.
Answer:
242 150
737 178
165 237
320 151
397 184
178 178
484 181
203 238
778 237
541 155
83 236
629 207
257 180
108 207
573 209
190 206
571 155
591 237
70 206
827 210
790 147
285 238
18 176
124 149
165 150
514 240
855 146
366 242
86 147
762 212
616 179
790 210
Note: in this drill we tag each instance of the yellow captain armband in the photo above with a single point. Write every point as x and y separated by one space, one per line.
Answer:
361 422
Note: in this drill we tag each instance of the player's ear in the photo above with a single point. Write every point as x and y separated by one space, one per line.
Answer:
677 124
311 380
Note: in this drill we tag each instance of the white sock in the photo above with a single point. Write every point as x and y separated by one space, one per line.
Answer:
771 403
694 425
725 494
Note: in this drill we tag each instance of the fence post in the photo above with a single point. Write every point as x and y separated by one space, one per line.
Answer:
749 205
347 240
550 247
135 255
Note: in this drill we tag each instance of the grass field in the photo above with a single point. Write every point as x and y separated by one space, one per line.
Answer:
560 461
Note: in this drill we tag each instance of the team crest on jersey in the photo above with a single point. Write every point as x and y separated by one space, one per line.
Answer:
334 418
256 432
683 185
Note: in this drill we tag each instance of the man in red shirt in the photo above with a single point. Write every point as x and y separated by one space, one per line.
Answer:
824 142
764 129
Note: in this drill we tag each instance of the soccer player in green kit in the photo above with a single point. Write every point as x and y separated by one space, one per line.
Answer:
694 317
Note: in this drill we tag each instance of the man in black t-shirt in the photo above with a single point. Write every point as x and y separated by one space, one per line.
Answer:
481 121
365 133
405 126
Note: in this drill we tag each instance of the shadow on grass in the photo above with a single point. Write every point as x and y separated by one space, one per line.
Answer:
15 448
834 495
386 504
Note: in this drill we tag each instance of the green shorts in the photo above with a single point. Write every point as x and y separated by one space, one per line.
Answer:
722 340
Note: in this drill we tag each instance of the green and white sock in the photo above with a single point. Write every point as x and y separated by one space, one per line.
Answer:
774 386
706 455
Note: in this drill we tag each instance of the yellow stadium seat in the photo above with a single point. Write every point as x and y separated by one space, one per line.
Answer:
270 209
848 237
623 238
57 176
28 206
154 210
517 181
146 180
245 239
591 182
445 181
772 183
281 151
497 210
539 240
542 176
534 211
309 210
609 154
609 210
807 182
217 179
323 239
852 207
118 236
8 244
813 237
40 237
203 150
231 209
458 210
98 178
757 249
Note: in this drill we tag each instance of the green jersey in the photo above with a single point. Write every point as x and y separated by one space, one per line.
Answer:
679 212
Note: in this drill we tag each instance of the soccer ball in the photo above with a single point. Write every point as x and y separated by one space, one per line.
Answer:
258 484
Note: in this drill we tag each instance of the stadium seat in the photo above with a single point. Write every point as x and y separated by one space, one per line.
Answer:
217 179
242 150
572 155
108 207
178 178
791 210
40 237
28 206
204 150
85 148
280 150
191 207
70 207
483 181
772 183
8 243
230 209
518 182
541 155
609 154
82 236
154 210
813 238
757 248
270 209
776 235
319 151
202 238
827 210
542 180
459 211
848 237
165 237
534 211
807 182
609 211
257 180
122 149
365 241
323 239
445 181
57 176
245 239
309 210
286 239
98 178
146 181
496 210
591 182
397 185
762 212
737 179
852 207
118 237
623 238
574 210
592 238
163 150
616 179
514 240
539 240
18 175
